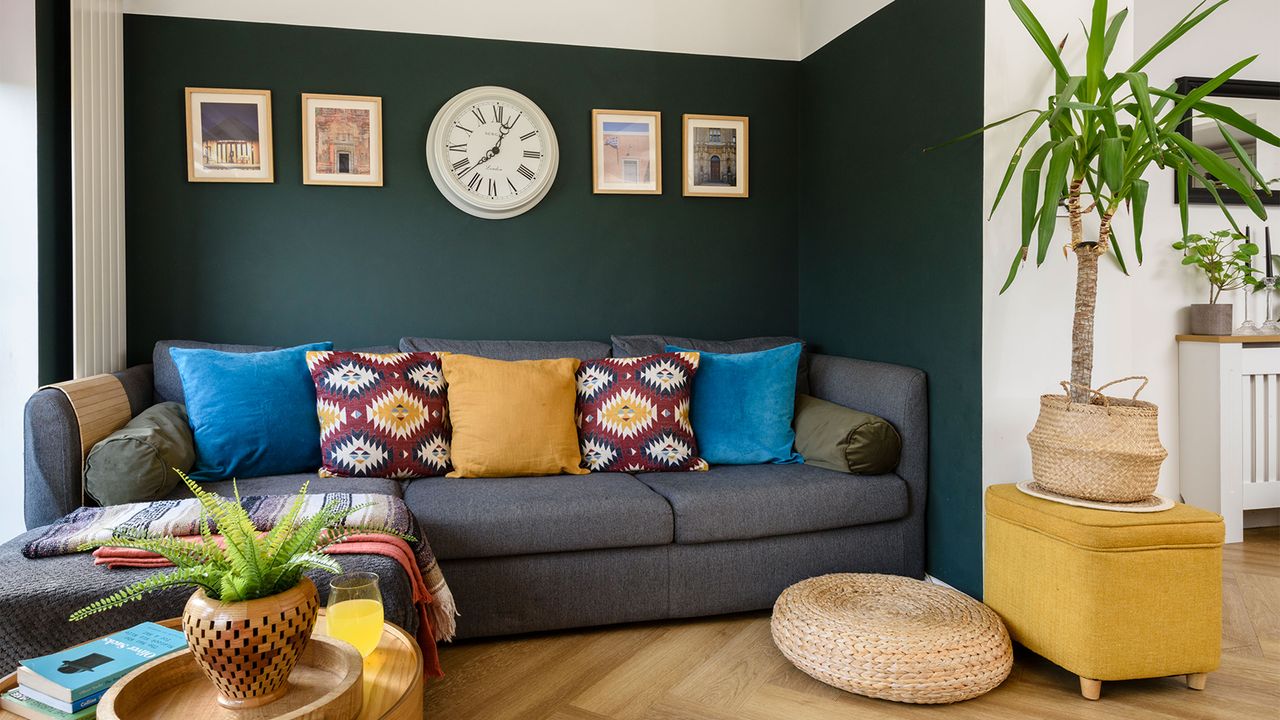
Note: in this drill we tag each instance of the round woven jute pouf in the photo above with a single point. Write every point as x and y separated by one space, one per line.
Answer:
892 637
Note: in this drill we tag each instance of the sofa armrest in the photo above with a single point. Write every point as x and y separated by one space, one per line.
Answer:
900 395
53 463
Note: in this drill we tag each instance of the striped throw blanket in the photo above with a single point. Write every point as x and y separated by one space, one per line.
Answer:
179 518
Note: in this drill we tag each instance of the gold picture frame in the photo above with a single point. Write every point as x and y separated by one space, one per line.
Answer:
228 138
342 140
626 152
716 159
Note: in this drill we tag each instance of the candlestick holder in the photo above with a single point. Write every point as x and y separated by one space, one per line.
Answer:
1269 325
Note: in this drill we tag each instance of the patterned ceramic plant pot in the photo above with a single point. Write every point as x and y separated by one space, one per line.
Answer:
249 648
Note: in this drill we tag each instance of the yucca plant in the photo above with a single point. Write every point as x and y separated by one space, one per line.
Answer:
248 564
1105 132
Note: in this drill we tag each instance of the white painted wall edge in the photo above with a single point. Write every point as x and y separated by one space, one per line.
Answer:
765 29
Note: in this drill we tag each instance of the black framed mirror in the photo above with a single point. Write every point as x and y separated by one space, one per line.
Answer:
1257 100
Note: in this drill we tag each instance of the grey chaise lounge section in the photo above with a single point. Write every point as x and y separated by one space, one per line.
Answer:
528 554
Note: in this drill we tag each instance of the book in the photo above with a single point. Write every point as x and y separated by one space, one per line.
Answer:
81 671
21 705
66 707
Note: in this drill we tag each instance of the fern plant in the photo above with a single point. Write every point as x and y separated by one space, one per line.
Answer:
248 564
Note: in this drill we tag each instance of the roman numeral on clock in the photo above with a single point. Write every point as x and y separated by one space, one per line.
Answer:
461 166
458 148
532 154
526 172
465 130
513 186
528 135
474 183
493 188
479 114
497 112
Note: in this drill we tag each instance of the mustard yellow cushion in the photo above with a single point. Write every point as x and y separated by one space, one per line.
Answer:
512 419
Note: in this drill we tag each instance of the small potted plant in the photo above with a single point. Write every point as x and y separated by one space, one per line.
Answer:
253 610
1226 258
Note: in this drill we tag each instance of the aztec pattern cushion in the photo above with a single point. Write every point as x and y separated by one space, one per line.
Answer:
633 414
381 415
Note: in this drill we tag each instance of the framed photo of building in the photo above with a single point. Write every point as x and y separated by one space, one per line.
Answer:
341 140
626 152
229 135
715 156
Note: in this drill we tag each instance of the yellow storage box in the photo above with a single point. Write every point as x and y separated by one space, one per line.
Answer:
1107 595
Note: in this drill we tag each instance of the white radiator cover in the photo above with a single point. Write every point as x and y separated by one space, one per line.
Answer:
97 186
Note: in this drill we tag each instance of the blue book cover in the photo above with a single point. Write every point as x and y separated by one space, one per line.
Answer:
81 671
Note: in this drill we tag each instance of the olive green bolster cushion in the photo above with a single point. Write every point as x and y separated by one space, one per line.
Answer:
136 463
835 437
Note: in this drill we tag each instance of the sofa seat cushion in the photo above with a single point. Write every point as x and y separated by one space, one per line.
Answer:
495 517
742 502
289 484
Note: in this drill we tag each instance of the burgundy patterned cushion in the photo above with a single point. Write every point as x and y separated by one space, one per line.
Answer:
381 415
633 414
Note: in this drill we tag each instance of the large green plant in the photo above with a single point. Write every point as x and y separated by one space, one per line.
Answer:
249 564
1105 131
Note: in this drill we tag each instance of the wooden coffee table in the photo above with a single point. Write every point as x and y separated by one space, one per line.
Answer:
392 676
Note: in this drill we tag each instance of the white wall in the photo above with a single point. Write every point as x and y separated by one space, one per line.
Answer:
822 21
1026 332
741 28
18 329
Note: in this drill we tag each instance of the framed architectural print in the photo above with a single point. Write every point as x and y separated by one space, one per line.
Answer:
341 140
229 135
715 156
626 152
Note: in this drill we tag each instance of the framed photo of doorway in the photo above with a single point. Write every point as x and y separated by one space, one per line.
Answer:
341 140
715 156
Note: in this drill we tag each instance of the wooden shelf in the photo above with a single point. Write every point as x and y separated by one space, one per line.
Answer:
1241 339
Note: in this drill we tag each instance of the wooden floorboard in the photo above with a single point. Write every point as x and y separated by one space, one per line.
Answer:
726 668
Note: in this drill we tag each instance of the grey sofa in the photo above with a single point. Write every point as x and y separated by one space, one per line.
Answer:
528 554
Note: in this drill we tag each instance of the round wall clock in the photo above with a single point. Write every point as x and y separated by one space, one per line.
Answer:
492 152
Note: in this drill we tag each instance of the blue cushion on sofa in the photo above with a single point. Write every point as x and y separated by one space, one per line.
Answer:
252 414
743 404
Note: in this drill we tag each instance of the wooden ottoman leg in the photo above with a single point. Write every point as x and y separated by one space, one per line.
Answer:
1091 689
1196 681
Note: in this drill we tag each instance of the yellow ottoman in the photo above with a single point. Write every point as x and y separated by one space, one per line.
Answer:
1107 595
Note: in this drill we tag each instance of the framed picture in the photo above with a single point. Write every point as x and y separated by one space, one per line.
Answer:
341 140
715 156
1259 102
229 135
626 152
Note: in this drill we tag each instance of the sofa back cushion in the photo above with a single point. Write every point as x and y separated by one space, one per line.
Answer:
633 414
141 460
636 345
510 349
512 419
252 414
381 414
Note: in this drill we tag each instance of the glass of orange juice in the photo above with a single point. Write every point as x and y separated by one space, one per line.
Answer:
355 610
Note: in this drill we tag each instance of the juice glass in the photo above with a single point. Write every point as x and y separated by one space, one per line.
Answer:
355 610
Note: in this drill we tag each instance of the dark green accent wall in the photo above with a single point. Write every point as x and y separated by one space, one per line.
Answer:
286 263
890 242
53 192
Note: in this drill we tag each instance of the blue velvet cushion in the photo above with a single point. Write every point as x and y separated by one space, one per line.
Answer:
743 404
251 414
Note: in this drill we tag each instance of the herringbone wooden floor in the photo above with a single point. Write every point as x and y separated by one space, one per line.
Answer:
727 668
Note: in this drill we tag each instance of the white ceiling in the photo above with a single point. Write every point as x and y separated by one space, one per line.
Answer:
772 29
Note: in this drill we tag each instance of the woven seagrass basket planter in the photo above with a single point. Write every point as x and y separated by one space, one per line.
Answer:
249 648
892 637
1107 449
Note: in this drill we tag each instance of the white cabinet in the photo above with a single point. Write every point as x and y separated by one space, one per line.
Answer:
1229 432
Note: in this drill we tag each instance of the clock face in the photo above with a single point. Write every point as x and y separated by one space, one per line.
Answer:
492 152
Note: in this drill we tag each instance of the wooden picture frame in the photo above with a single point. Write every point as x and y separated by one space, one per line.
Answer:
342 140
626 152
715 155
229 135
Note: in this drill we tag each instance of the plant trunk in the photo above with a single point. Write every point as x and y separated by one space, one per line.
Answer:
1087 255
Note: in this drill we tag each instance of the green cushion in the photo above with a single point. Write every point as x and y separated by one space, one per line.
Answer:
838 438
136 463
